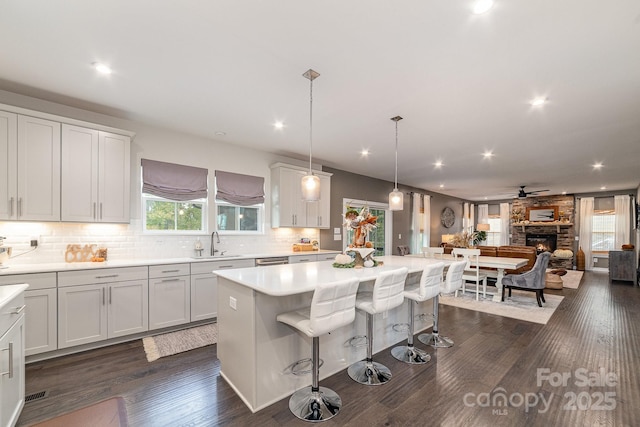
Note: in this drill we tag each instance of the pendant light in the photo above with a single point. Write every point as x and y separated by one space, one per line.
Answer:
310 183
396 201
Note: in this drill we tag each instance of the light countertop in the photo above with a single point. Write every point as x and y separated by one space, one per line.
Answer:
12 267
291 279
8 292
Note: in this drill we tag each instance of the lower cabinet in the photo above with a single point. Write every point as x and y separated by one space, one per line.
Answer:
41 311
99 311
12 338
204 286
169 295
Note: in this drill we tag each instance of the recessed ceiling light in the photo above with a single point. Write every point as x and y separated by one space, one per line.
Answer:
597 165
482 6
438 163
487 154
441 185
364 152
278 125
102 68
603 188
564 193
538 102
220 133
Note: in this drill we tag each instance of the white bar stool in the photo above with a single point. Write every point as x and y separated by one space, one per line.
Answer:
332 306
452 283
387 293
429 287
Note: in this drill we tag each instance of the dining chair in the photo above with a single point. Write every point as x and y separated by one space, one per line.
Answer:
472 272
431 252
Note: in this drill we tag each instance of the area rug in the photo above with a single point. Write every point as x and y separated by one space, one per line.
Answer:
108 413
572 279
522 305
170 343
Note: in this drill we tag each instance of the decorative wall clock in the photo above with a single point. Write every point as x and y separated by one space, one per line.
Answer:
447 217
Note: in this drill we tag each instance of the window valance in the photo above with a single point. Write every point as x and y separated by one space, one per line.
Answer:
238 189
173 181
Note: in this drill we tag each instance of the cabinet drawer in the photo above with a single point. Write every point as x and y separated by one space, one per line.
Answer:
34 280
327 257
209 266
168 270
11 312
101 275
302 258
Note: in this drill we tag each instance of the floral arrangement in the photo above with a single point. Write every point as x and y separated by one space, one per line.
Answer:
517 215
466 239
362 223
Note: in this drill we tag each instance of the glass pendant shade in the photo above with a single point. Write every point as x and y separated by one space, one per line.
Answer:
310 188
396 200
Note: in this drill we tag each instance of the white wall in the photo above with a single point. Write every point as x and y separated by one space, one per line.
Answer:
128 241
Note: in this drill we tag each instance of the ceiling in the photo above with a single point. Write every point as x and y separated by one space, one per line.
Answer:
462 82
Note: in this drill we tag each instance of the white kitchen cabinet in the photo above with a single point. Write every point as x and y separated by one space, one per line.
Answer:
30 184
204 286
41 311
310 257
330 256
12 372
95 175
113 303
288 209
169 295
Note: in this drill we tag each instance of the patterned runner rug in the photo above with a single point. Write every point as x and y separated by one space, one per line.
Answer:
170 343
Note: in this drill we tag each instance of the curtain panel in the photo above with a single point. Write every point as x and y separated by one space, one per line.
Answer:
174 182
505 216
238 189
622 206
586 227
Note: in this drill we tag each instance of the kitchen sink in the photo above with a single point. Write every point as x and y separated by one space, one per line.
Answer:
216 256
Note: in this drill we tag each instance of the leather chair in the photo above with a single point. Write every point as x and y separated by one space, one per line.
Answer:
532 280
452 283
388 293
428 288
332 307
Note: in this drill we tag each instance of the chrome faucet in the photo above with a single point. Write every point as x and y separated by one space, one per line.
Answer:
213 248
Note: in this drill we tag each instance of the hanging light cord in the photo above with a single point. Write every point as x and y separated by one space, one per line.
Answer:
396 179
310 122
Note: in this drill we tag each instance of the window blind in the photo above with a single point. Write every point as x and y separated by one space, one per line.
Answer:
238 189
172 181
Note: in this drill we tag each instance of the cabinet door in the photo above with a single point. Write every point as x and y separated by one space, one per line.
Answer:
40 321
169 302
128 308
204 296
292 207
114 177
38 169
12 380
79 174
82 315
8 164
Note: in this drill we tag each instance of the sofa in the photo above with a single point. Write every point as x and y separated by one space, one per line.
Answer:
528 252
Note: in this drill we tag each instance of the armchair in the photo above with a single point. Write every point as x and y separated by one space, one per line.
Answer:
532 280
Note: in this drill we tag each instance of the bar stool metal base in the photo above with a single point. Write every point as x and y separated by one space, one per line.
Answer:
435 340
411 355
315 406
369 373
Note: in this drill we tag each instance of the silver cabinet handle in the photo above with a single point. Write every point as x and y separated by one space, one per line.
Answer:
170 271
10 371
107 277
104 298
100 210
170 280
94 210
110 295
11 207
19 309
19 206
225 266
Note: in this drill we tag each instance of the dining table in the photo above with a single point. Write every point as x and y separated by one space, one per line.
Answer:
499 263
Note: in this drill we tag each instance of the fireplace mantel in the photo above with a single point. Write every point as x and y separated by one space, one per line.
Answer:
556 224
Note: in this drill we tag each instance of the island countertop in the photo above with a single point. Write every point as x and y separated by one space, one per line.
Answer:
291 279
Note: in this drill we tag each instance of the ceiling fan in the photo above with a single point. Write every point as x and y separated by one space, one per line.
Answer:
523 194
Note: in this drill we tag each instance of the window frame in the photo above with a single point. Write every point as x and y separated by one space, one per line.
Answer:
260 207
601 213
150 197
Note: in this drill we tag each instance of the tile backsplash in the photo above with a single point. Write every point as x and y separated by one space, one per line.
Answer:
126 241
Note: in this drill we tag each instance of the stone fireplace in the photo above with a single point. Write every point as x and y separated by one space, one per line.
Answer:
542 242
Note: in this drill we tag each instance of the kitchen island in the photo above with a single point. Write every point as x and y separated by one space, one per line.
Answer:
256 352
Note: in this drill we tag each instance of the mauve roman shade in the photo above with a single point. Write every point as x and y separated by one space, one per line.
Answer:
174 182
238 189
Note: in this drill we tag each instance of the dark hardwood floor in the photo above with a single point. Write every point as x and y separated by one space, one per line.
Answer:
593 340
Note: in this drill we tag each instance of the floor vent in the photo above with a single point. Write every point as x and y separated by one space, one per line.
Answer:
36 396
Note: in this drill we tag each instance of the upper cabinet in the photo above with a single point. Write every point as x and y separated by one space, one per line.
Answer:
288 209
95 175
30 182
54 168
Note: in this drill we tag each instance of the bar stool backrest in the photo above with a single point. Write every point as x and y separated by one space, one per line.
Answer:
431 280
453 280
333 305
388 290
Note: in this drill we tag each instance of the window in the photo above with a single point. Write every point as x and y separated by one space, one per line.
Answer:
166 216
234 219
603 228
493 235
